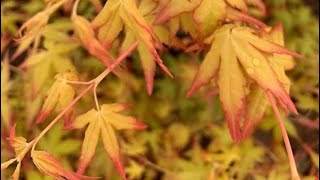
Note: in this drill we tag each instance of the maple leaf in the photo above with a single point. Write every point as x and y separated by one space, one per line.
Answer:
172 8
257 100
86 35
206 14
85 32
169 17
60 95
119 14
32 29
236 57
54 58
50 166
57 49
147 60
19 144
209 13
166 33
20 147
102 123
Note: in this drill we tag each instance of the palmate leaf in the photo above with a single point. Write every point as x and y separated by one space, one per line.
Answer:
86 35
19 143
50 166
45 63
146 8
20 147
103 122
33 28
237 58
59 96
117 15
54 59
257 100
207 14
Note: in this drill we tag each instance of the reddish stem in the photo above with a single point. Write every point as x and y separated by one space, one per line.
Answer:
293 167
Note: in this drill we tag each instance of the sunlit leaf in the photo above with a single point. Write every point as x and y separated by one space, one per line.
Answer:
242 60
126 14
49 165
60 95
104 121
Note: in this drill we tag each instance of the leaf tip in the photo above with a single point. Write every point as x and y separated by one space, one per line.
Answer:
190 92
41 117
118 164
149 85
139 125
241 16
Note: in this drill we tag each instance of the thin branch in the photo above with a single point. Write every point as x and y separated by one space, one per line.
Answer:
115 63
76 82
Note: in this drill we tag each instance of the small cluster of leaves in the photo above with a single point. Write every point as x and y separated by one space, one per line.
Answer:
244 63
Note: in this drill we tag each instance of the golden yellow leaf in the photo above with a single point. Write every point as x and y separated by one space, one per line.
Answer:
60 95
85 32
50 166
117 15
33 28
102 122
208 14
89 143
148 65
231 85
243 58
257 103
111 146
119 121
